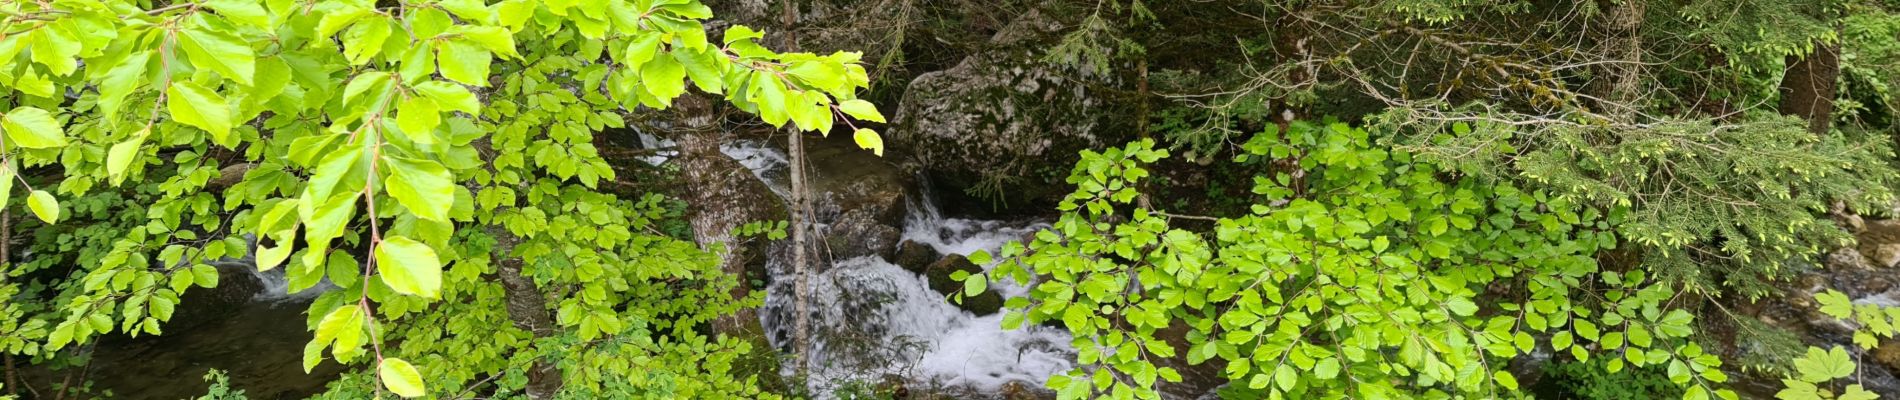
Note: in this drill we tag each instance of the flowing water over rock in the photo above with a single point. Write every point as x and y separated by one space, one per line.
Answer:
874 321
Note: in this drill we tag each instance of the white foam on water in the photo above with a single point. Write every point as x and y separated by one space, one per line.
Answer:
872 319
276 287
765 162
1889 298
665 147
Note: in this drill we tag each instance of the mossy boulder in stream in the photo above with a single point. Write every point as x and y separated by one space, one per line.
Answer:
858 199
938 274
1004 124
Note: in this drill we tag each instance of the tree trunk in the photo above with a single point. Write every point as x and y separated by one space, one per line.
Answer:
6 256
1807 91
801 212
528 310
721 195
1624 45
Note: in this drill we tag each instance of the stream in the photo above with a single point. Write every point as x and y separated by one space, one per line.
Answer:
876 323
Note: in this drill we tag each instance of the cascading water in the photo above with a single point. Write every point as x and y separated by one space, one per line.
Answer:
275 287
875 322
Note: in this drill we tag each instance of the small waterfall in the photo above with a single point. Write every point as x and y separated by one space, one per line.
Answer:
275 287
874 321
764 161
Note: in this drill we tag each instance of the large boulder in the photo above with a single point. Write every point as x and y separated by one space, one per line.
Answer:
855 233
1879 243
858 199
1005 121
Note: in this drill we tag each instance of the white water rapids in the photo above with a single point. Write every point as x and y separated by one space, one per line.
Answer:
874 321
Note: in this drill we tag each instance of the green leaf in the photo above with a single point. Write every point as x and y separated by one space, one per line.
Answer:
980 257
194 105
340 321
737 33
641 49
706 67
1461 306
450 96
1835 304
401 378
472 10
1821 366
820 75
32 128
219 50
121 80
1326 368
6 182
1285 377
862 110
1856 392
515 13
975 285
1505 379
44 206
869 139
363 41
463 62
248 12
493 38
664 78
55 49
205 275
122 154
336 19
409 267
424 187
418 118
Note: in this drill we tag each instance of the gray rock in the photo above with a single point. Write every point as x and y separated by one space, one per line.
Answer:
859 198
1880 243
1003 119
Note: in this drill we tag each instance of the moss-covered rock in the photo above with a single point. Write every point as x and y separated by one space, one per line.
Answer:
915 256
938 276
1005 121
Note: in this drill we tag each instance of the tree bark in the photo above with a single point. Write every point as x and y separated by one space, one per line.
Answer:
801 211
721 195
1624 45
6 256
1807 91
528 310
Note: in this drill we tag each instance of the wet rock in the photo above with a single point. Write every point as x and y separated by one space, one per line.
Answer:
857 234
915 256
938 275
1879 242
1019 390
848 178
1005 121
1863 283
858 197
